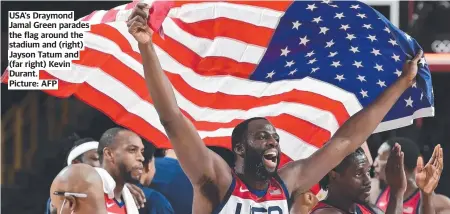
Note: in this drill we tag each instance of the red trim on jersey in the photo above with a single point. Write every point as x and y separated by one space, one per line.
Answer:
274 192
315 189
410 205
322 205
113 207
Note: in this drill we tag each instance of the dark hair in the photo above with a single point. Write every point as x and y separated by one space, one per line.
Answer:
77 143
107 139
409 148
149 152
341 167
160 153
240 131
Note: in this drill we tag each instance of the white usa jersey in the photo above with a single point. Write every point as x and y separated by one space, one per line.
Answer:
240 200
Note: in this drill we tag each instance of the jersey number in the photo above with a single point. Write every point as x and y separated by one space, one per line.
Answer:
258 210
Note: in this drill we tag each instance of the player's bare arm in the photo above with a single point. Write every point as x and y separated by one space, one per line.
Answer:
300 175
203 167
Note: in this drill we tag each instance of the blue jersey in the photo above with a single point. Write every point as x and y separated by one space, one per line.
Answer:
172 182
155 203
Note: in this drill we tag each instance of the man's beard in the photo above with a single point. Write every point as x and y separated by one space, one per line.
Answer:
126 174
255 167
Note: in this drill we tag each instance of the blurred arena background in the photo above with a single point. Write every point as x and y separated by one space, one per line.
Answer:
36 128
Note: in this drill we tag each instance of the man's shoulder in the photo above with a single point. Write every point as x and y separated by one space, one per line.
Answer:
158 201
166 161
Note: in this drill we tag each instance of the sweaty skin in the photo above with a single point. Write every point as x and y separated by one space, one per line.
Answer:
78 178
209 174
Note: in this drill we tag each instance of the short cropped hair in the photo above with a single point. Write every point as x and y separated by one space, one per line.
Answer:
341 167
240 132
107 139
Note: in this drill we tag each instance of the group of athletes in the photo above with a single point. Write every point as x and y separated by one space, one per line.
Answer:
254 184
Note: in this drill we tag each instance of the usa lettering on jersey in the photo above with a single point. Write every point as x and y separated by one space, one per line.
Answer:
237 205
243 201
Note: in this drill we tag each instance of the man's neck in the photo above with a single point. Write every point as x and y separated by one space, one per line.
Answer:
338 201
411 187
119 181
251 181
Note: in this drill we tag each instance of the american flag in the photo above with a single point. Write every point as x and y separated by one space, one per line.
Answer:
306 66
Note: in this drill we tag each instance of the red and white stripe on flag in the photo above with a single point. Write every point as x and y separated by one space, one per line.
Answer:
208 52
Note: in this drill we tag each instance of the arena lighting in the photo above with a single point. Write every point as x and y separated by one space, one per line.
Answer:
438 62
394 9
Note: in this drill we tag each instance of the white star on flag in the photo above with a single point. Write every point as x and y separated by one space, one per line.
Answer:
350 36
354 49
285 51
293 72
378 67
364 93
336 64
270 75
395 57
409 102
358 64
323 30
339 77
309 54
296 24
317 19
393 42
304 40
375 52
339 15
332 54
290 63
381 83
311 7
356 6
361 78
372 38
344 27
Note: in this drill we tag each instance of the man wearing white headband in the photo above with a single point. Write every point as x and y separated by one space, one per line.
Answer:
84 151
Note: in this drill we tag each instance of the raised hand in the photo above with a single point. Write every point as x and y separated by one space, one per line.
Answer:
137 24
395 172
427 177
410 68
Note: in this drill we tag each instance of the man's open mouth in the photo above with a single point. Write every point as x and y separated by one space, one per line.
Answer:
270 158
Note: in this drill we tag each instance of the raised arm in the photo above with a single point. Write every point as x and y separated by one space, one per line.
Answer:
302 174
199 163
